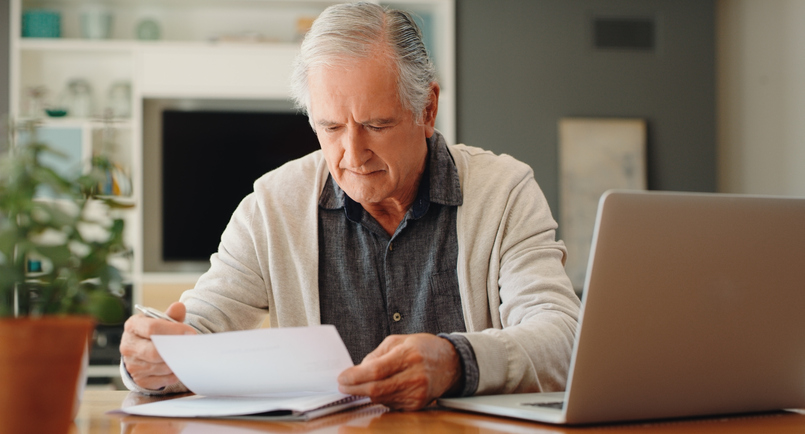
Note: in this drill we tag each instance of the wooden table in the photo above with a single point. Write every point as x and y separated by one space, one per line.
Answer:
94 419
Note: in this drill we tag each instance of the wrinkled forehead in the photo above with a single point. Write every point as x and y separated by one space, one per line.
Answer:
360 83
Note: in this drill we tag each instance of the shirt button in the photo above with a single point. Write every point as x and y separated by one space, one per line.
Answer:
391 246
396 316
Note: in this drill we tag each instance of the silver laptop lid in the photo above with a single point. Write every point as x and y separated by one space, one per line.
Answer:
694 305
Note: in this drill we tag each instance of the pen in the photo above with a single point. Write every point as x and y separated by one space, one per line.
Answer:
153 313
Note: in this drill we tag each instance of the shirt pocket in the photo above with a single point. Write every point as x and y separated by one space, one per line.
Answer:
447 302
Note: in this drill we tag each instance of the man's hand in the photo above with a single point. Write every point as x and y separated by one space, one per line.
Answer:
142 360
406 372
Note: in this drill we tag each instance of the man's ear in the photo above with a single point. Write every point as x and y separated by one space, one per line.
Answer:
429 115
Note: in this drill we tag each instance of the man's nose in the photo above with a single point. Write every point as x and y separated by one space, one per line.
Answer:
356 152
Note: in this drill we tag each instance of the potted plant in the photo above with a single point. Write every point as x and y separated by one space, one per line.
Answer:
57 278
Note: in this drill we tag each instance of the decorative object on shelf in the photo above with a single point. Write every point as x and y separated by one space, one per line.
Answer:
148 30
39 105
35 101
118 102
78 98
114 180
41 23
55 277
96 22
56 112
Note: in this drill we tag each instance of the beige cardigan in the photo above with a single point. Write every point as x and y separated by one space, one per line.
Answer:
519 307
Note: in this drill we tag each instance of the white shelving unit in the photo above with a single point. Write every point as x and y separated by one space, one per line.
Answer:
207 51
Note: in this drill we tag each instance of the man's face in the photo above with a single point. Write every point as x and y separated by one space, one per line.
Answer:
373 147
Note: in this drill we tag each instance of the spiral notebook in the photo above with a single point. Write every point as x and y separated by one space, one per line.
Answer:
282 373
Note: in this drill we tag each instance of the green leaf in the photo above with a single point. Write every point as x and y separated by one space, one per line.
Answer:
58 215
107 308
59 255
9 276
47 176
8 239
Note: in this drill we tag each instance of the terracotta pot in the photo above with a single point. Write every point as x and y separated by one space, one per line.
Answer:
40 363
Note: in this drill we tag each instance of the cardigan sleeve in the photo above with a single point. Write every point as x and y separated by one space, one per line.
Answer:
523 310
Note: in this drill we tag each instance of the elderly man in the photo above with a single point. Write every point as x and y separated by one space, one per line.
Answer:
437 264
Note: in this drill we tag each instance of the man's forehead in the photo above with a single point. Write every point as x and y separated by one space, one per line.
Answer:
363 92
378 62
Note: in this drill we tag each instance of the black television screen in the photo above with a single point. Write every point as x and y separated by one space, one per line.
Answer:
210 159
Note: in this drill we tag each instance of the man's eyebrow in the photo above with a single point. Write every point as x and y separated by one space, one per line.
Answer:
379 121
325 123
376 122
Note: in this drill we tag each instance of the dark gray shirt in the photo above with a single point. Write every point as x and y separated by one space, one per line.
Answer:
372 285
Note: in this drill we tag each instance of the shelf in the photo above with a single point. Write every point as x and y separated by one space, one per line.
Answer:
128 46
123 200
94 123
165 68
190 20
59 44
186 3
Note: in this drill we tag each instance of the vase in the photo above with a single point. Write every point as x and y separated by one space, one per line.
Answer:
40 366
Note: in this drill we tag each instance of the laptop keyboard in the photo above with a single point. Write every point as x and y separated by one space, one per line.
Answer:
557 404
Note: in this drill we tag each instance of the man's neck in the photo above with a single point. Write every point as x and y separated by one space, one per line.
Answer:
391 212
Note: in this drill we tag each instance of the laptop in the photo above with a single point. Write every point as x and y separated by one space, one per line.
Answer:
694 305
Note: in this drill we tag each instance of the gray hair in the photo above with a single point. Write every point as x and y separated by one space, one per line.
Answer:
356 30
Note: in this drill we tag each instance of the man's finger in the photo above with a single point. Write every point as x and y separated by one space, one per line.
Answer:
402 391
144 368
177 311
374 369
380 389
155 382
387 345
406 373
145 327
140 348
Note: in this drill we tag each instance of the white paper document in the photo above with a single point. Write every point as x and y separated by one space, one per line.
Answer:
287 372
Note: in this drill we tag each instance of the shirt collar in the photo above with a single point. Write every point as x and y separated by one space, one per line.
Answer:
440 184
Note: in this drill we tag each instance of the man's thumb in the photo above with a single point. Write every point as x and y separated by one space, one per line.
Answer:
177 311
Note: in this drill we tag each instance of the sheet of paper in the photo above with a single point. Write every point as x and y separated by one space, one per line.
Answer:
264 362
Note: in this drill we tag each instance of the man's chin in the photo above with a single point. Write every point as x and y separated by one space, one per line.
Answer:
363 194
364 199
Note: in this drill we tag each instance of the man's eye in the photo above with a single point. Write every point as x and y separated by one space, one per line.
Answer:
374 128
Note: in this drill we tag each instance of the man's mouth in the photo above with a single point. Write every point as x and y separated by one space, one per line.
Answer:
362 172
